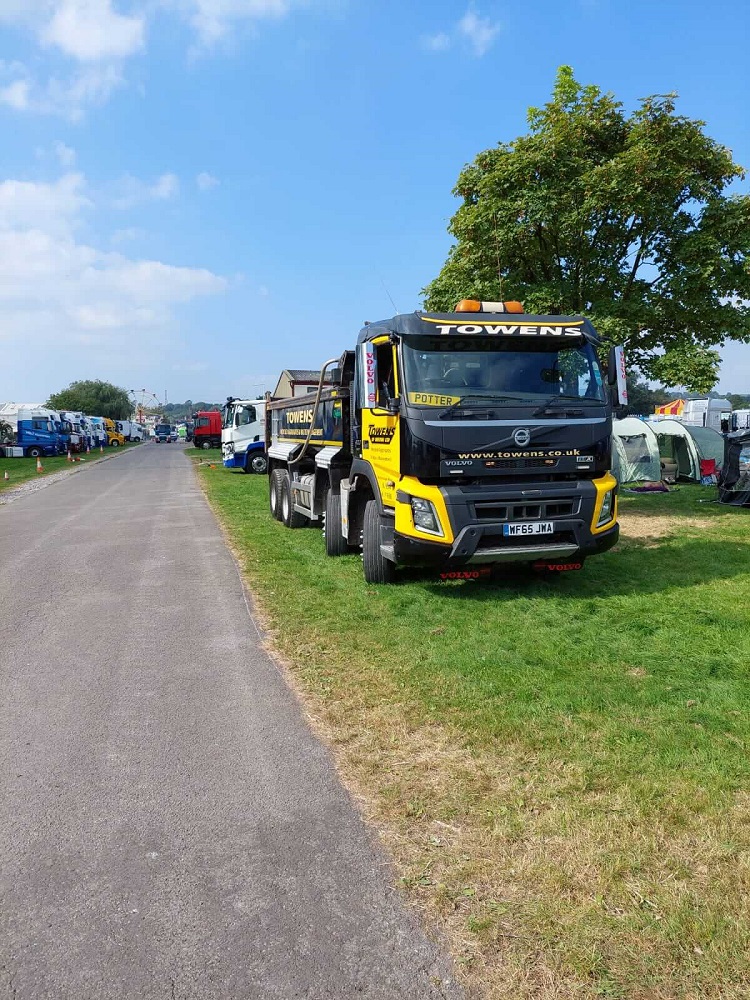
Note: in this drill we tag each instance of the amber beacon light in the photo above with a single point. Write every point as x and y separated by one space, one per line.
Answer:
475 306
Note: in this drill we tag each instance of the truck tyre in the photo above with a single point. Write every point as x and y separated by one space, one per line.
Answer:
289 516
336 544
377 568
274 493
34 452
259 464
205 444
115 443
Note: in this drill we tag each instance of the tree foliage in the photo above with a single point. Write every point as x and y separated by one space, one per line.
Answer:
642 399
622 217
97 398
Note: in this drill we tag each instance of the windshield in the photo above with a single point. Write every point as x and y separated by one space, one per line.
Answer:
499 372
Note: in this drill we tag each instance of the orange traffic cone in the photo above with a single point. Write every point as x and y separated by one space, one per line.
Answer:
101 448
88 450
70 457
39 465
7 477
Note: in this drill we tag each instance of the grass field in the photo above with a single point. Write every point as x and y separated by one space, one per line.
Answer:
559 768
22 469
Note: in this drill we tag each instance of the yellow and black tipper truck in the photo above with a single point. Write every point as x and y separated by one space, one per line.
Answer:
459 441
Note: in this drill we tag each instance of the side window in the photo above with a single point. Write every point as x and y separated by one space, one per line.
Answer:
386 377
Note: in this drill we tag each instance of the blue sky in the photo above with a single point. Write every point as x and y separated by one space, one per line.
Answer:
195 194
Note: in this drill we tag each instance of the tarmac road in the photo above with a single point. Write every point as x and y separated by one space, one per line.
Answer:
169 827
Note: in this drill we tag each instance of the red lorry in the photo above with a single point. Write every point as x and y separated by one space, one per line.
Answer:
207 431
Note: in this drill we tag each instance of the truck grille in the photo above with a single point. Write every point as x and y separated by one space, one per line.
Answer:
491 510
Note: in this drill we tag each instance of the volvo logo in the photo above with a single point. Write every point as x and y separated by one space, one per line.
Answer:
522 437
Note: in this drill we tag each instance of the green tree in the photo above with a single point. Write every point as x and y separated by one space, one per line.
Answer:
622 217
642 399
97 398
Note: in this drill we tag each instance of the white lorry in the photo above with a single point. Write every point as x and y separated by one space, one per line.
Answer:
706 413
243 427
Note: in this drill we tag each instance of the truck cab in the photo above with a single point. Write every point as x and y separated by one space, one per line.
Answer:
163 433
36 430
207 429
455 440
75 430
114 438
243 443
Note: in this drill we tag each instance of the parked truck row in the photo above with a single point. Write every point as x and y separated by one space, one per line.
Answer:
37 430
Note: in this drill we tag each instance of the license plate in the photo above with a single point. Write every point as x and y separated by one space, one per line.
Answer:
529 528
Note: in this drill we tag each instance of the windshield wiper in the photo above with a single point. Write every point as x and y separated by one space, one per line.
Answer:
551 400
460 402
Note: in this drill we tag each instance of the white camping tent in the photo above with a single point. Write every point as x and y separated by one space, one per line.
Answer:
635 451
682 447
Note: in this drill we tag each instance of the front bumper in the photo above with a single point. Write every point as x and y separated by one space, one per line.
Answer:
478 536
478 546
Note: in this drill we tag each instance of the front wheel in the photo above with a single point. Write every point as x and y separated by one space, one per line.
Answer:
377 568
34 452
206 445
115 444
259 464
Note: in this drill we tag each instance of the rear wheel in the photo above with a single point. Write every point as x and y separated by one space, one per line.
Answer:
377 568
274 493
290 517
336 544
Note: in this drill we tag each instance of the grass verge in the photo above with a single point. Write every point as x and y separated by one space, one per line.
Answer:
20 470
558 768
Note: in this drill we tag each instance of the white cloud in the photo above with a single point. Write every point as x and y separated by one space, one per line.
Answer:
436 43
100 36
206 181
125 235
65 155
52 208
214 19
167 186
91 31
68 98
16 95
130 191
67 294
478 32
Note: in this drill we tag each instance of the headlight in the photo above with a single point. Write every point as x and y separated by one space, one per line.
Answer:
605 514
425 516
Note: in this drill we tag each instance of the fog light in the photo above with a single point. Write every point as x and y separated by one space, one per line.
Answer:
425 516
605 514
